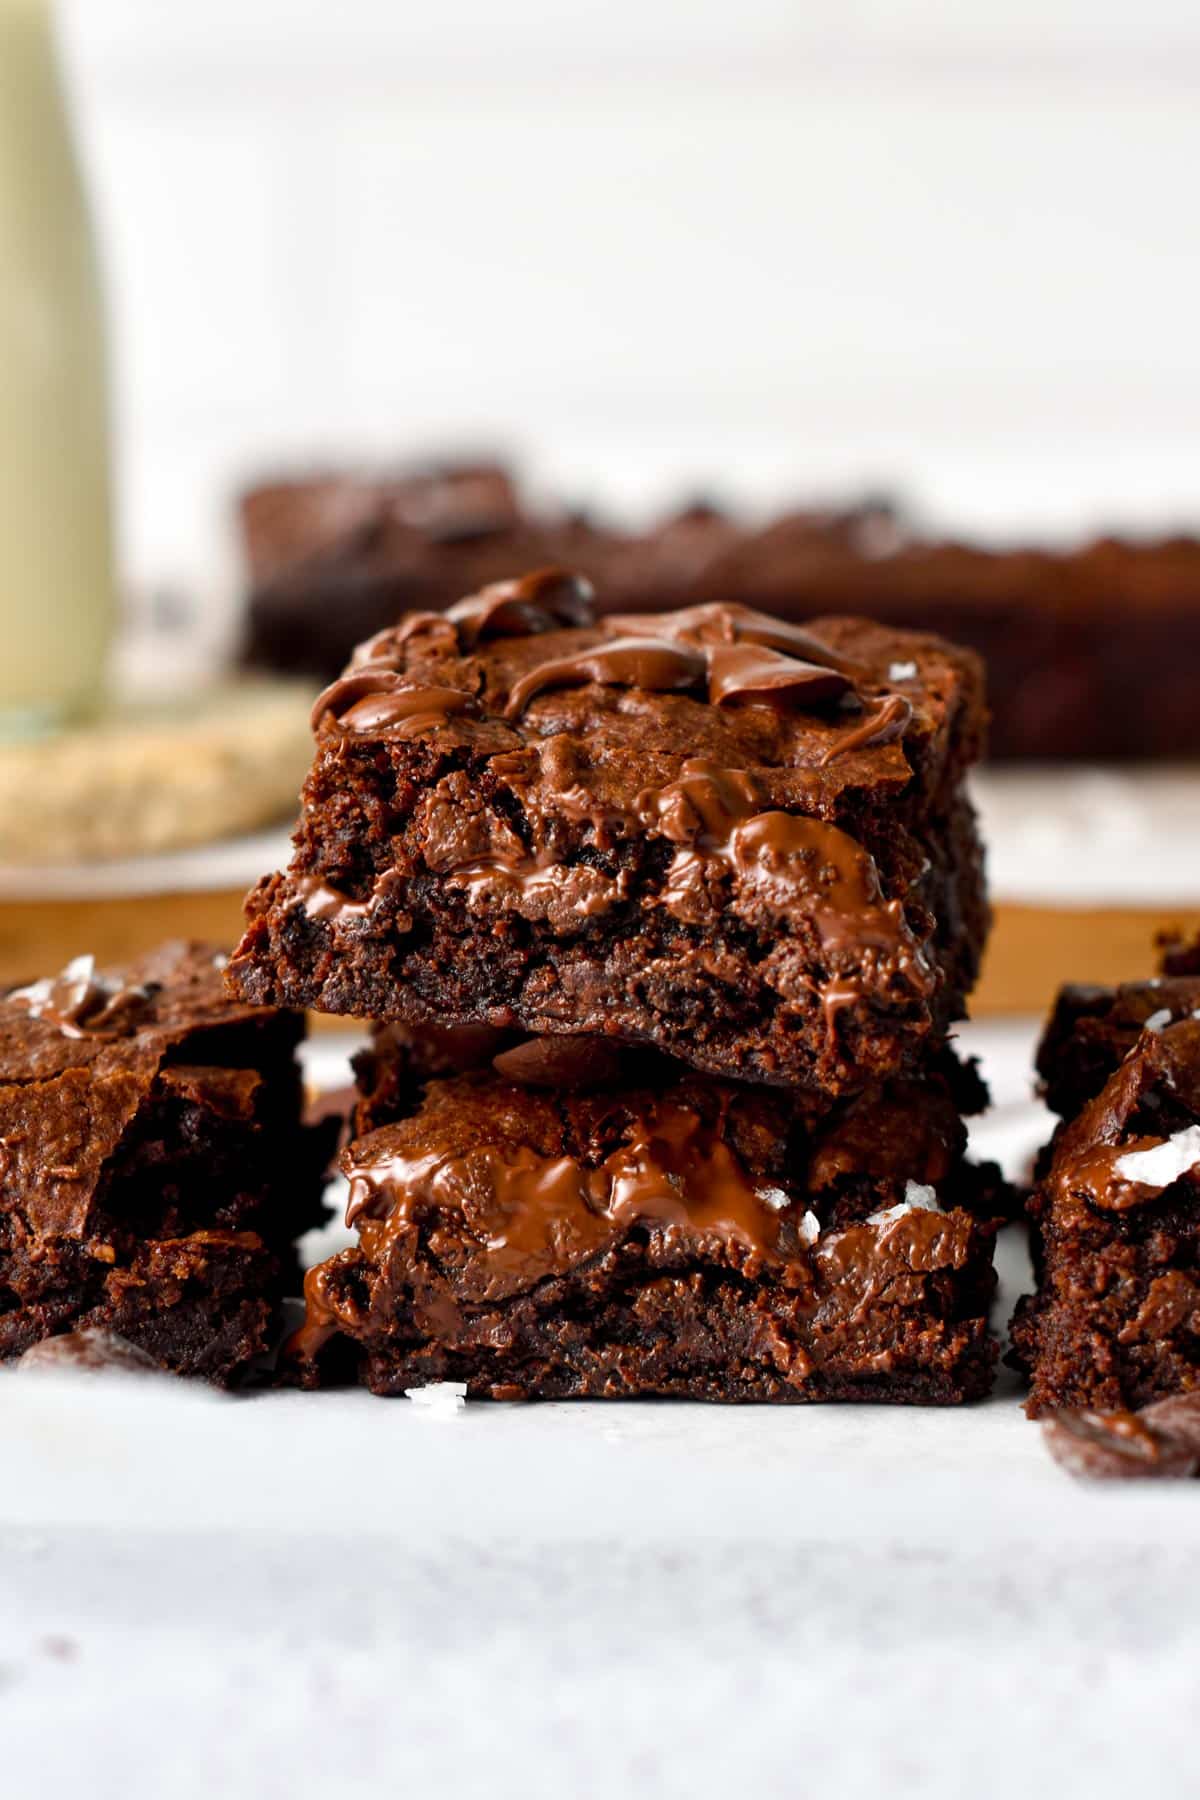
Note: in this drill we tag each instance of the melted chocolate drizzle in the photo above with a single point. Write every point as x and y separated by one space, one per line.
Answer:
750 672
80 1000
545 600
371 699
651 664
535 1215
728 622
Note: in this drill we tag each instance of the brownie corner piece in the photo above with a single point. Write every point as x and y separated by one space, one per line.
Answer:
154 1171
1114 1321
743 842
557 1224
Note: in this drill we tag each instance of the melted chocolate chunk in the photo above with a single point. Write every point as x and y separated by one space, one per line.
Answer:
545 600
880 725
79 1000
748 672
532 1216
373 699
646 663
731 623
386 650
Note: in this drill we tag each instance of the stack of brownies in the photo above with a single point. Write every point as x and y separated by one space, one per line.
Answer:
663 922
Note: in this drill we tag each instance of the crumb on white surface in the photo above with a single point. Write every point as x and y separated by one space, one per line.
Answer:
917 1198
810 1228
1163 1163
443 1397
1158 1019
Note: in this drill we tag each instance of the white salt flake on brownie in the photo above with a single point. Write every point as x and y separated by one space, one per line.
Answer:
442 1397
1158 1020
902 671
810 1228
1163 1163
917 1198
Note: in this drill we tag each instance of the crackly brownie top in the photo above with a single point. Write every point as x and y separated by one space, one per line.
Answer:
110 1020
1092 1029
616 708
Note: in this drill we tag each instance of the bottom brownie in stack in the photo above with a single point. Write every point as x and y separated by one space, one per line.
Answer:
1115 1213
154 1174
568 1218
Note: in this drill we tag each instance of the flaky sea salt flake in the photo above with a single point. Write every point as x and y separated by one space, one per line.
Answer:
445 1398
1163 1163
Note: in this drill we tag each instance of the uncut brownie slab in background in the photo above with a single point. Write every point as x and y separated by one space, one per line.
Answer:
334 558
154 1175
1115 1212
739 841
568 1218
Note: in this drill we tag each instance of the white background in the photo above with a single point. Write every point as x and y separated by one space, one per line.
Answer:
774 245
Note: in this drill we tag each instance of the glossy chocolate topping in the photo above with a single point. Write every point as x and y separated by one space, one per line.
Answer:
655 666
731 623
749 672
745 656
532 1216
386 649
880 725
374 698
544 600
80 1000
794 862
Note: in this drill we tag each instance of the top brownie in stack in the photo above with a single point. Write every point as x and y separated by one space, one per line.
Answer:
742 842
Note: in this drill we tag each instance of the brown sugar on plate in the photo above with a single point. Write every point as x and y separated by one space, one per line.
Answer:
154 1174
566 1222
741 841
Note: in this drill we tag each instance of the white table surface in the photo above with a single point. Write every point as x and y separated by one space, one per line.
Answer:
333 1595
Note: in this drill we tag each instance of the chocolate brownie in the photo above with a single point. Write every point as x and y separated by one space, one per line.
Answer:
576 1220
741 842
153 1173
1115 1213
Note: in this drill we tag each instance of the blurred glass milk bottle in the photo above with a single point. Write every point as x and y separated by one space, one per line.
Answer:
57 593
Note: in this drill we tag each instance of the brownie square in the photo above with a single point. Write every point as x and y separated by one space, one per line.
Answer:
707 831
570 1219
153 1171
1115 1214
